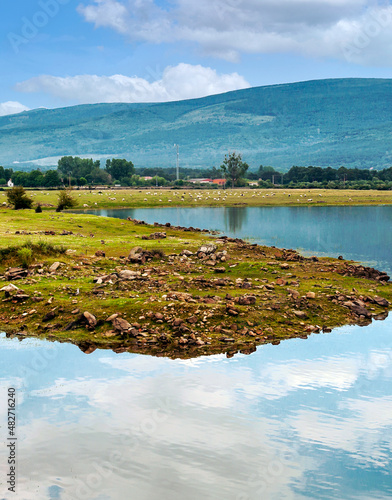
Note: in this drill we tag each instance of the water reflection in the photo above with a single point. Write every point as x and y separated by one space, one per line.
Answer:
235 218
358 233
306 419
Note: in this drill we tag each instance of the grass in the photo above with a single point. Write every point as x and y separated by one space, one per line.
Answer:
144 198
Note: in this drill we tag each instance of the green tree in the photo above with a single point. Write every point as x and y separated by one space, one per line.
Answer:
65 200
52 179
234 168
17 197
119 168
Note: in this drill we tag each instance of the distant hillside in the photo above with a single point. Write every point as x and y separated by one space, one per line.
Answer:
325 122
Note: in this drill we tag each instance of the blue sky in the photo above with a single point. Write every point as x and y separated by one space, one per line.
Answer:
64 52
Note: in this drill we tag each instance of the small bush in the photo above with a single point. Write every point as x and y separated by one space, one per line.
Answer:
17 197
65 200
25 254
38 208
158 253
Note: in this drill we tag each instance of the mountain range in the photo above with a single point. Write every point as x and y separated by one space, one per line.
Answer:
322 123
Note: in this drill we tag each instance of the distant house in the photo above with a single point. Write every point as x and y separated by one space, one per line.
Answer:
147 178
220 182
10 184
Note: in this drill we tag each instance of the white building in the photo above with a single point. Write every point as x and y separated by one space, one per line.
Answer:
10 184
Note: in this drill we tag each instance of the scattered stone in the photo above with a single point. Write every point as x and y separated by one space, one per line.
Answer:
300 314
16 273
207 249
100 253
310 295
53 268
154 236
128 275
121 325
246 300
381 301
49 316
90 318
112 317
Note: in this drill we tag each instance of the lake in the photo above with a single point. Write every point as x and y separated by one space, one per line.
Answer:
307 419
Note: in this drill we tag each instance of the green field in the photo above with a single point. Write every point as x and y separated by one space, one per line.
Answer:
137 198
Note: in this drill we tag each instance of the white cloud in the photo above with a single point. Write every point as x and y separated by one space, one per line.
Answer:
355 30
12 107
183 81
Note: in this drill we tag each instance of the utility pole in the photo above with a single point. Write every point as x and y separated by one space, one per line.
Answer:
178 162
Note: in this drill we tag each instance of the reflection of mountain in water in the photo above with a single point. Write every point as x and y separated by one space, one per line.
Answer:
234 218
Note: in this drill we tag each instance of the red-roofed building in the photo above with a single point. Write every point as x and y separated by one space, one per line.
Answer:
220 182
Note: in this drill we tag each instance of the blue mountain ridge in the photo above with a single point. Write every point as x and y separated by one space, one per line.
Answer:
322 122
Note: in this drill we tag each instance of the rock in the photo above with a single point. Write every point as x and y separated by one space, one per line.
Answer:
284 266
121 325
300 314
90 318
49 316
247 300
310 295
112 317
53 268
381 301
294 293
21 297
281 282
220 270
100 253
187 253
360 310
364 272
210 263
154 236
128 275
16 273
207 249
135 253
9 288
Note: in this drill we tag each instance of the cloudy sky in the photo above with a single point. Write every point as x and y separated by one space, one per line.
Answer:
64 52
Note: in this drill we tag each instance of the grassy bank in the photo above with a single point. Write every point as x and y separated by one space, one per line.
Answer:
169 300
136 198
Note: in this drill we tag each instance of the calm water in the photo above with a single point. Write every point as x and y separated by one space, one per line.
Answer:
308 419
359 233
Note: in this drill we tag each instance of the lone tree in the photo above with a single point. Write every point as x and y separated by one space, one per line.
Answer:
234 168
65 200
17 197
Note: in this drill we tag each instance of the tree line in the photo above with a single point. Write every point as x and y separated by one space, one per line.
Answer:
75 171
